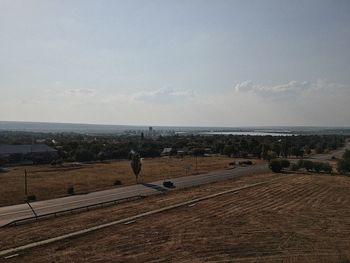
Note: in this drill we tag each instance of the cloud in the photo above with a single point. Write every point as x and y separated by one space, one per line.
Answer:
304 103
74 93
79 92
163 95
288 90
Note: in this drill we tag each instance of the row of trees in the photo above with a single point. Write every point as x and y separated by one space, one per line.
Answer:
343 165
78 147
312 166
277 165
236 146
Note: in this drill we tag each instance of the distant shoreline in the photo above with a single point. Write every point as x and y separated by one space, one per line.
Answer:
179 130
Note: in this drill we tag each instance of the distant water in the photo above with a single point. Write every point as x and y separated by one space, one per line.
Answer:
251 133
94 128
167 130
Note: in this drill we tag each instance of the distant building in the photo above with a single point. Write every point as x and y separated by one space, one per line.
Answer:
166 152
150 132
34 153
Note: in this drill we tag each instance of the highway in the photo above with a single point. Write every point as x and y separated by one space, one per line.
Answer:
11 213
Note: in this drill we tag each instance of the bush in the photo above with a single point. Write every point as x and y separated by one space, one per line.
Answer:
343 166
327 168
294 167
268 156
71 190
308 165
346 155
317 166
322 167
285 163
275 165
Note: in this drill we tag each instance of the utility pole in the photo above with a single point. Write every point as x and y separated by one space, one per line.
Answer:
196 164
25 184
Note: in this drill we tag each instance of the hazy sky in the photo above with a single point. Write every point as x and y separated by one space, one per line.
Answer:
206 63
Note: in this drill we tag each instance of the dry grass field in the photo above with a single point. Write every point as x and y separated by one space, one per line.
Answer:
295 218
46 182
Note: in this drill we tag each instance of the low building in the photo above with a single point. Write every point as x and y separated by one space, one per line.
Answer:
166 152
24 153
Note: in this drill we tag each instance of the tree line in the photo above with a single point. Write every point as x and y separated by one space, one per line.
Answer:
80 147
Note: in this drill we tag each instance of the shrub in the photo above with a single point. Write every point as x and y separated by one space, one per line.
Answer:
284 163
71 190
343 166
308 165
275 165
269 156
317 166
327 168
294 167
346 155
228 150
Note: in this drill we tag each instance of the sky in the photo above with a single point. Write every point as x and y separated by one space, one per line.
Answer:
184 62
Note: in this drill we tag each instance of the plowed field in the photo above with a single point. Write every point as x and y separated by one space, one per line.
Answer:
297 218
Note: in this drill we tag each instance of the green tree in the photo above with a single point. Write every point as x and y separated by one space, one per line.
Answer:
228 150
269 155
136 164
346 154
327 168
84 156
317 166
296 151
308 165
284 163
343 166
275 165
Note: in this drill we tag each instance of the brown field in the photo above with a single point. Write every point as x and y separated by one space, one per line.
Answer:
295 218
46 182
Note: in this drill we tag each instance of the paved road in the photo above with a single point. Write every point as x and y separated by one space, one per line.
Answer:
328 156
22 211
